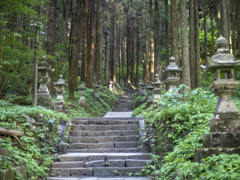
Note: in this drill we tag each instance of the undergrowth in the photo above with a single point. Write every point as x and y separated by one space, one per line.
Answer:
179 121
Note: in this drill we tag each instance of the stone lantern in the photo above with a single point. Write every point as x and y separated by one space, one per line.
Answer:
96 91
224 134
60 103
142 87
173 74
157 89
149 88
139 86
43 95
82 89
105 87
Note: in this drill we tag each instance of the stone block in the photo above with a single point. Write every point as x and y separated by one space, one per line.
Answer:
224 140
116 163
3 151
205 152
99 163
61 171
105 171
21 170
224 124
136 162
81 171
96 157
6 175
126 170
68 164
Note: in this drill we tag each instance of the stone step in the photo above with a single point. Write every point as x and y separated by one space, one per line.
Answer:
95 171
103 150
100 139
93 127
105 121
102 163
104 133
127 144
103 156
98 178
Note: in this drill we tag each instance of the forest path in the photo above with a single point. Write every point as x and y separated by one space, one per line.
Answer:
103 148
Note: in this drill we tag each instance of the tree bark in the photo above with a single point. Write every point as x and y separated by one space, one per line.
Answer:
91 47
152 42
84 48
205 29
184 37
225 21
51 41
137 59
212 33
114 50
98 61
238 28
167 32
128 48
174 32
157 39
197 48
192 45
132 52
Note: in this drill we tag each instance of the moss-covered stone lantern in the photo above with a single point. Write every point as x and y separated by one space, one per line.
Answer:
173 74
157 90
82 89
43 95
142 87
96 91
224 134
149 88
139 86
60 103
105 84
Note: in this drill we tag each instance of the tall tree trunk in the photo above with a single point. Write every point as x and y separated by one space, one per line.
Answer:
184 37
212 33
51 41
167 32
122 43
84 48
114 50
128 49
111 57
132 52
98 61
157 39
233 27
205 29
238 28
91 48
152 42
197 48
219 16
192 45
137 59
106 56
225 21
174 32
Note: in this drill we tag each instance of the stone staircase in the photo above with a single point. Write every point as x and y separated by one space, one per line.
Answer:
125 102
102 147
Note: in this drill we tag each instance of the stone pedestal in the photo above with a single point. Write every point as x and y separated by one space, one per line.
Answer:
43 95
224 136
82 89
60 103
96 91
157 89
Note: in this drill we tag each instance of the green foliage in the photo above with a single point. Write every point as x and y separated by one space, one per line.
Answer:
39 140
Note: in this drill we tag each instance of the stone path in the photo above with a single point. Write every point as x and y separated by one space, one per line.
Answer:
105 148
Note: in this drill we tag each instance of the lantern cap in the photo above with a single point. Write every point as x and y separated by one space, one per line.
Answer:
60 81
222 57
149 85
82 86
172 65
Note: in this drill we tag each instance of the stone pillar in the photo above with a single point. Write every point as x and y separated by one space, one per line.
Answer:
43 95
60 103
96 91
149 88
157 89
225 124
82 89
